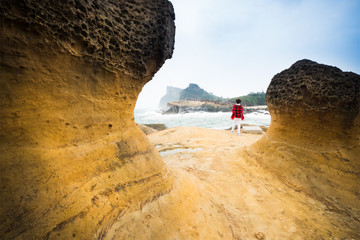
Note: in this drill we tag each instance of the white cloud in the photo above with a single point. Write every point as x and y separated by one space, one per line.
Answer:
233 47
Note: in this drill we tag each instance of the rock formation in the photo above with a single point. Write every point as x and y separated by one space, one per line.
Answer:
312 144
172 94
72 159
186 106
309 97
74 165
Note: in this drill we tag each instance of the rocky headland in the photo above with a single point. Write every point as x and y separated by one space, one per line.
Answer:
186 106
74 165
195 99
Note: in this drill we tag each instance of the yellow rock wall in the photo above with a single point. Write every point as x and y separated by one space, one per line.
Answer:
72 160
312 144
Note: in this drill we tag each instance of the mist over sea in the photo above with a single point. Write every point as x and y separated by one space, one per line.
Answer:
212 120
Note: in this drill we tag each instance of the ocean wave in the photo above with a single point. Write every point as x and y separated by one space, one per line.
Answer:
212 120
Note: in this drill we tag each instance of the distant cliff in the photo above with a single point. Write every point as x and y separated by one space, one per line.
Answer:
172 95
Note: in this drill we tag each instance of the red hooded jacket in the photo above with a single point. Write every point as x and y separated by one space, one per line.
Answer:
237 112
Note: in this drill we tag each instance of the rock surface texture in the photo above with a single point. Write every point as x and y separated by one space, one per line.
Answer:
313 143
72 160
309 97
74 165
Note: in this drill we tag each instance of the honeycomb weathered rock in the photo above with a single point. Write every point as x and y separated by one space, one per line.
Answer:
72 160
309 97
314 87
313 143
122 35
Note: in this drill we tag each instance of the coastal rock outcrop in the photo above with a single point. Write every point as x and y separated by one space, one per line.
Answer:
312 144
186 106
72 159
195 99
309 97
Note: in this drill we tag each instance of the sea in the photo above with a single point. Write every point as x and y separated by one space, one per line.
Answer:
211 120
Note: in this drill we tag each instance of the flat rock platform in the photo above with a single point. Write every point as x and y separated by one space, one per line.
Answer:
251 129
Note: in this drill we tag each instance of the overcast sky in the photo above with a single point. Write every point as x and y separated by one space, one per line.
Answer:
234 47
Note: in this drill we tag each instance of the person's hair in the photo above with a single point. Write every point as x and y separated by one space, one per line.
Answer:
238 100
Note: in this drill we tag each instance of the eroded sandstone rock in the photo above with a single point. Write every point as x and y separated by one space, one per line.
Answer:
317 101
72 160
133 36
312 144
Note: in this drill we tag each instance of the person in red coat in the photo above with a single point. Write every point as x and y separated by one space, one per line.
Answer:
237 115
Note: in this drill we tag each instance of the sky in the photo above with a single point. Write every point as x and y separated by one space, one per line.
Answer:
233 47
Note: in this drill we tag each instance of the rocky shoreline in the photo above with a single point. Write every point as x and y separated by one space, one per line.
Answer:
74 165
188 106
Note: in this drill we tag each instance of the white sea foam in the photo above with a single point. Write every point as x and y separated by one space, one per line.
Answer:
216 120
